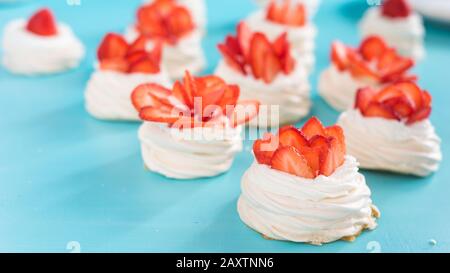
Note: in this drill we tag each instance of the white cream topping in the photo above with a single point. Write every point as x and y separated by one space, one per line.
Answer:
108 93
311 5
301 38
30 54
187 54
290 92
405 34
189 153
339 88
322 210
390 145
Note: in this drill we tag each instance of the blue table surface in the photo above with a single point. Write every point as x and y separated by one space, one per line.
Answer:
70 182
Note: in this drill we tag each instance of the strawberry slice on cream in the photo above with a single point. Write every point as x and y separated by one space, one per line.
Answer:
304 187
199 118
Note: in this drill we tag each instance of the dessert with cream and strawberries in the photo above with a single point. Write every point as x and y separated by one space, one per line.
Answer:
311 5
399 25
290 17
121 68
372 64
266 71
304 187
40 45
194 129
174 25
389 129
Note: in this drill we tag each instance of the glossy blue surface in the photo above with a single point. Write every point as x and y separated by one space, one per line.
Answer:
66 177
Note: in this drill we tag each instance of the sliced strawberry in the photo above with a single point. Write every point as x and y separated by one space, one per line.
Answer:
419 115
339 56
292 137
155 114
396 8
282 49
375 109
426 99
372 48
272 67
244 112
43 23
312 156
119 65
144 65
297 15
233 45
281 44
244 36
179 22
149 22
313 127
332 159
150 95
190 88
113 46
321 146
389 92
230 97
363 97
157 51
179 92
392 66
139 44
360 69
231 59
401 106
412 92
289 160
260 48
265 148
336 132
135 56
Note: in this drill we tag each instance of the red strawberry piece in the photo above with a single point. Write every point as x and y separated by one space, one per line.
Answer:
144 65
297 15
420 115
339 56
282 49
190 88
150 95
372 48
338 133
363 97
402 107
178 92
231 59
272 67
230 98
426 99
260 48
135 56
139 44
392 66
265 148
211 89
244 112
116 64
388 93
360 69
312 156
232 44
292 137
155 114
313 127
43 23
396 8
412 92
179 22
332 159
289 160
113 46
149 22
375 109
244 36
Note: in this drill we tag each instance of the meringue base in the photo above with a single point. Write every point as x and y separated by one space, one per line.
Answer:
189 153
390 145
108 93
289 208
289 95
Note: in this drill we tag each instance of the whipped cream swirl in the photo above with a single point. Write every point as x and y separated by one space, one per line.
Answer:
290 92
381 144
405 34
285 207
108 93
301 38
30 54
339 88
187 54
189 153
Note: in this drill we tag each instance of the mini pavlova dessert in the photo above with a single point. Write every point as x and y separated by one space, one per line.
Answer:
389 130
373 64
290 17
304 187
197 9
174 25
266 71
40 45
399 25
311 5
121 68
194 130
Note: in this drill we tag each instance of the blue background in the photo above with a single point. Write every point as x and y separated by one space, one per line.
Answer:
65 176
